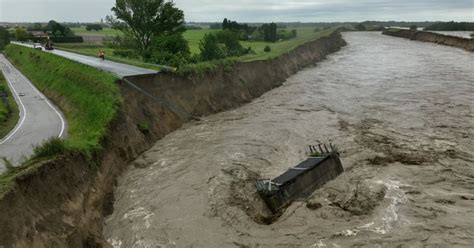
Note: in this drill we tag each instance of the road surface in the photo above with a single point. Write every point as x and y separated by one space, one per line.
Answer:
119 69
39 118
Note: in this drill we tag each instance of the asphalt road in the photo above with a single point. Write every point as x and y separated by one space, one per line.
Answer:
118 69
39 118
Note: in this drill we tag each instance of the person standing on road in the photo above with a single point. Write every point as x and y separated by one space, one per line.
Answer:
102 54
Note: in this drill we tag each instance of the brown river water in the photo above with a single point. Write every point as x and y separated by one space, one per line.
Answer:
401 112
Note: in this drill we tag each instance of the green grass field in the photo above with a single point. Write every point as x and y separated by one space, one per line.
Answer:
277 48
9 114
195 36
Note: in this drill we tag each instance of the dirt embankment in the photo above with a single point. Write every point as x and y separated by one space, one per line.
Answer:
464 43
63 203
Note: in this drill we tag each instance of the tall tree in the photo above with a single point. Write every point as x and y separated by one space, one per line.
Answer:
4 37
145 19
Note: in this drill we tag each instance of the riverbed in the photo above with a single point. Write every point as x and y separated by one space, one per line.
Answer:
401 113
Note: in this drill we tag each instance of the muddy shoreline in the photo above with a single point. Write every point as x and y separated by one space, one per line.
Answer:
63 203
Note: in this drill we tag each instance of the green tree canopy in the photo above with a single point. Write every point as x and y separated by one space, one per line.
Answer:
210 48
145 19
4 37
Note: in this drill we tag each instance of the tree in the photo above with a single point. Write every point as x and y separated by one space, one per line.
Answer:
360 27
57 29
21 34
209 47
4 37
144 20
413 27
269 31
231 42
171 50
96 27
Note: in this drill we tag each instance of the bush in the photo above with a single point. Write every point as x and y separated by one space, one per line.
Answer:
210 49
51 148
95 27
171 50
67 39
413 27
360 27
4 37
231 41
267 49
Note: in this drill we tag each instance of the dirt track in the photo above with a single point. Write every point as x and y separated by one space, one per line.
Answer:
402 112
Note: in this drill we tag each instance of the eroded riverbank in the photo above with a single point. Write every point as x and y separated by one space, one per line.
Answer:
402 113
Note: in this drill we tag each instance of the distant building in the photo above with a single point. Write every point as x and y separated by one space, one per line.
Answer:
39 34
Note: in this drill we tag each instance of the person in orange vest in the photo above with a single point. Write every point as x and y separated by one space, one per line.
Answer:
102 55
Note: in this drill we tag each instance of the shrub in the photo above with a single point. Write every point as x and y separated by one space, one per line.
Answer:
95 27
171 50
267 49
360 27
51 148
413 27
4 37
210 49
231 41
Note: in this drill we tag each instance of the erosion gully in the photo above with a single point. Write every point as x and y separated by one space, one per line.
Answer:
401 112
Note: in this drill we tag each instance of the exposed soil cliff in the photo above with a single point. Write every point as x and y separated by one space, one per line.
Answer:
447 40
62 204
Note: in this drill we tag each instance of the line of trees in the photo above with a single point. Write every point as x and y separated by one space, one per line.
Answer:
4 37
451 26
268 32
94 27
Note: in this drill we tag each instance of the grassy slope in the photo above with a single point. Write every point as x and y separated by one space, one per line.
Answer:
89 97
9 115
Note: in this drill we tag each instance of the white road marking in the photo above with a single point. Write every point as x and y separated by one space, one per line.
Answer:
63 123
17 96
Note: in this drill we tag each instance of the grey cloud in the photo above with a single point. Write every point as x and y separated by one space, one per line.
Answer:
252 10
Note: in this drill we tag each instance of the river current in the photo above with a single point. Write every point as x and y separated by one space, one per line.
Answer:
401 113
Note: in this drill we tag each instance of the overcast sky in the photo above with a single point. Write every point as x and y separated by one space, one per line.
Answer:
252 10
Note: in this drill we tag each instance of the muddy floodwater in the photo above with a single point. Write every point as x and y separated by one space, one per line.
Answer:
401 112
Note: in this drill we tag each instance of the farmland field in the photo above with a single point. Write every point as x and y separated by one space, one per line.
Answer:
193 37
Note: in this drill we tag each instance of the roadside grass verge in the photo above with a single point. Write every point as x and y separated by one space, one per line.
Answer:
88 97
9 113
